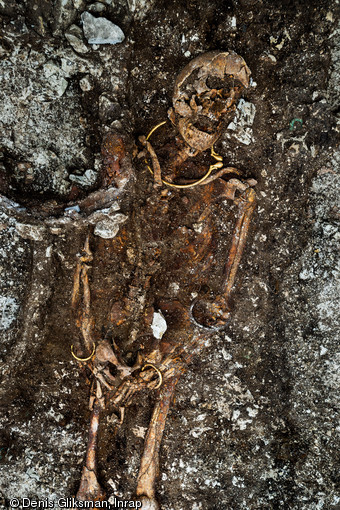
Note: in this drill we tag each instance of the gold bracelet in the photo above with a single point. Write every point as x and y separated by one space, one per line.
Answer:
159 373
84 359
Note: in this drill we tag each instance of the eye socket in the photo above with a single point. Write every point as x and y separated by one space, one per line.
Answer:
226 85
113 370
213 82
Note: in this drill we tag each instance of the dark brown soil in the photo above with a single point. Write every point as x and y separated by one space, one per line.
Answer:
253 425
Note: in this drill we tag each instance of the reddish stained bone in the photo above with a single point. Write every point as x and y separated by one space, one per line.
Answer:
89 487
149 466
82 306
219 310
195 137
215 63
113 152
246 204
155 163
171 356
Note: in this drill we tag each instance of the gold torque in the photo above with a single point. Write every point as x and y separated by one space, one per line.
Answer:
159 373
155 128
218 158
84 359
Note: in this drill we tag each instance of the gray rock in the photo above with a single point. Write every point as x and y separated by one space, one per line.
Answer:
74 36
243 120
97 7
65 13
85 84
76 43
55 80
88 179
8 311
33 232
102 214
101 30
140 8
108 228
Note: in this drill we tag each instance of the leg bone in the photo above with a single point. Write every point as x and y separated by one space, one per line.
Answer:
150 459
89 487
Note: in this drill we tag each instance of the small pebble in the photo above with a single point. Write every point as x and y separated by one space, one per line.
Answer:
85 84
108 228
158 325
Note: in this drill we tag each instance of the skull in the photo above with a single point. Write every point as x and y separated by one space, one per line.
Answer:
205 92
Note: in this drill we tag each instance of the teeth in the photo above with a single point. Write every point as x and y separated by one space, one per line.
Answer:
215 65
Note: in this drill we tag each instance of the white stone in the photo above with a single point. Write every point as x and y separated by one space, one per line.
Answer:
226 355
85 84
174 287
101 214
55 80
158 325
307 273
33 232
243 120
8 311
108 228
101 30
252 412
88 179
248 111
79 4
198 431
139 431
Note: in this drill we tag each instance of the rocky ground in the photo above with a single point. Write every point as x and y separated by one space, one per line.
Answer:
255 423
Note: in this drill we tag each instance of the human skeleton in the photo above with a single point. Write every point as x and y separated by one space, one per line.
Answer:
205 94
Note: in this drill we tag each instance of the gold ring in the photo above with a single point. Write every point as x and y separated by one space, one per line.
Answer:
159 373
218 158
84 359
